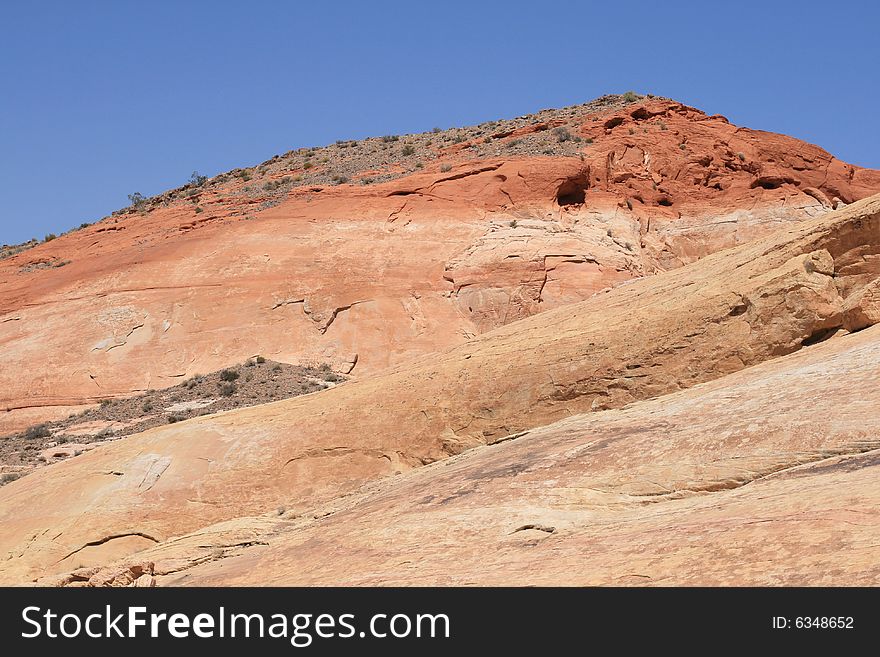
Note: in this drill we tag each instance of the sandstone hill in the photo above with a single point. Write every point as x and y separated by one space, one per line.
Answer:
601 344
367 254
812 282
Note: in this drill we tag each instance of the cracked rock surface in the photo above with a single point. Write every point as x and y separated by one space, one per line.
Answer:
775 309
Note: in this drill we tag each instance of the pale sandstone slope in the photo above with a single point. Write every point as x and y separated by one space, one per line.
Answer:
367 276
725 312
769 476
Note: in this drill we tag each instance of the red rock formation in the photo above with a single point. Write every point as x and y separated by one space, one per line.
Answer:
367 276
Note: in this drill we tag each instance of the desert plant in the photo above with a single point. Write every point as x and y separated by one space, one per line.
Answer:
227 389
562 134
407 150
147 406
445 168
175 418
741 156
49 237
38 431
260 360
389 138
197 179
137 200
630 97
228 375
8 477
436 130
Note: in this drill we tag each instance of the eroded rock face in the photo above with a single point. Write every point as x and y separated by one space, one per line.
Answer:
694 324
367 277
763 477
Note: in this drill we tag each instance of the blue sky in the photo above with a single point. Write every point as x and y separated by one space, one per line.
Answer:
101 99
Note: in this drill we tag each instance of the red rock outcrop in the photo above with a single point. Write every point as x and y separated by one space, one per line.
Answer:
369 276
721 314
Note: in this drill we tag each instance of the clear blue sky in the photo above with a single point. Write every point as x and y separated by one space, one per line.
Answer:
100 99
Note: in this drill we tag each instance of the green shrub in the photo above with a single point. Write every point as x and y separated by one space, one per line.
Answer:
562 134
630 97
260 360
38 431
49 237
137 200
228 375
197 179
407 150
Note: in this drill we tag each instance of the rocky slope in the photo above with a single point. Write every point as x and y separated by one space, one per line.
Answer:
764 477
368 254
809 282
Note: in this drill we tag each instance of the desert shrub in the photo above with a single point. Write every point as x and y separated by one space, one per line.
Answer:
436 130
105 402
276 368
49 237
307 165
228 375
741 156
588 140
147 406
513 224
197 179
513 143
249 362
562 134
8 477
175 418
389 138
199 210
137 200
227 389
38 431
630 97
662 125
445 168
407 150
260 360
419 165
458 139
